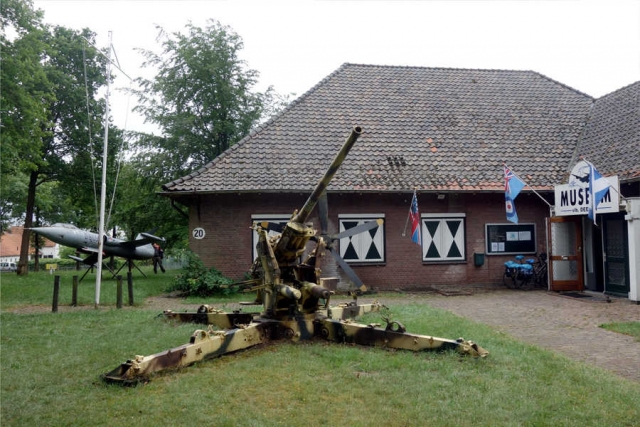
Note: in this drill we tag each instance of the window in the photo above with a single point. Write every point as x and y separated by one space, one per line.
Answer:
443 237
277 218
365 247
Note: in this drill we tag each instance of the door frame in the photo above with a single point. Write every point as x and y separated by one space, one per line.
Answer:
611 288
566 285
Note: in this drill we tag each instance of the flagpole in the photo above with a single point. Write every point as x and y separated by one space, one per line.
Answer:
526 184
103 188
404 232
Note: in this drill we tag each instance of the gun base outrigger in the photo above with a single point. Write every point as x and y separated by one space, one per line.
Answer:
294 306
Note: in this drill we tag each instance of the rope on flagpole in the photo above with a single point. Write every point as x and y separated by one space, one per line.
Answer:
527 185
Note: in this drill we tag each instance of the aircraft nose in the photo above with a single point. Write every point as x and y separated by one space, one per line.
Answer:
46 232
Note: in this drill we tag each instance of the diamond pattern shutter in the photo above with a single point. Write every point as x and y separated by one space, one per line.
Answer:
365 247
443 239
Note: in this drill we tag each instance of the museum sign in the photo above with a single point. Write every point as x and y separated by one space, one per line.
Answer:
575 197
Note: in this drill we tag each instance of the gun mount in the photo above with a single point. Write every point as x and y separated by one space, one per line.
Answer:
295 304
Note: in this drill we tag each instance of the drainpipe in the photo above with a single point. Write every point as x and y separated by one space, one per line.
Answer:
177 208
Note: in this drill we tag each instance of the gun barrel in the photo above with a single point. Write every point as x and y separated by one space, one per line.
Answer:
311 202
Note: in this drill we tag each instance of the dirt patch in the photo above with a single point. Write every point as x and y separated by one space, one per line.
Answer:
39 309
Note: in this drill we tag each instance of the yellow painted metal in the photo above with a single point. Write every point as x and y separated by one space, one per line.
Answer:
393 336
202 345
295 306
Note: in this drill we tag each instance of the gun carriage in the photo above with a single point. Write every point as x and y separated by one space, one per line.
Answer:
295 305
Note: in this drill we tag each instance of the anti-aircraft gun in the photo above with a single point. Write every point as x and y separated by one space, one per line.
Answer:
287 284
295 306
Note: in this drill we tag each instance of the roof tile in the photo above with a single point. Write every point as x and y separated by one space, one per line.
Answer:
427 128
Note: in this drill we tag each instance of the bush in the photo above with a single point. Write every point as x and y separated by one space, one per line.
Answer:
196 280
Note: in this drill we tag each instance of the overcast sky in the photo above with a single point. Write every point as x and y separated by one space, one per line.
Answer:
590 45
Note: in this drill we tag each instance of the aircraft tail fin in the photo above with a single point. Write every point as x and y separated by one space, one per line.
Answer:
144 239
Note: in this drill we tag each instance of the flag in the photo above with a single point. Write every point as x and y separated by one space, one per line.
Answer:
414 215
598 187
512 187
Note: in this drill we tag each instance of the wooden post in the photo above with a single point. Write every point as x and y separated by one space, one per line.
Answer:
119 292
130 286
74 292
56 293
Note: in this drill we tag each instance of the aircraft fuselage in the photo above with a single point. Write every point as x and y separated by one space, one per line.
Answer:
87 242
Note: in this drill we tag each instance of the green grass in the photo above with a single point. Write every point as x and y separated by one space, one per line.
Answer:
626 328
51 363
37 288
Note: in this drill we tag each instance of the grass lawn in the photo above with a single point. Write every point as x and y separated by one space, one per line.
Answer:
50 367
37 288
627 328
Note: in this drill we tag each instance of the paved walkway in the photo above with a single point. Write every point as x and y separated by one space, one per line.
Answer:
561 324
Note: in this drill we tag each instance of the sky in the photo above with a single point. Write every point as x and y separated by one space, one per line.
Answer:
592 46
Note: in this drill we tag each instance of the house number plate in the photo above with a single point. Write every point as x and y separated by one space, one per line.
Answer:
198 233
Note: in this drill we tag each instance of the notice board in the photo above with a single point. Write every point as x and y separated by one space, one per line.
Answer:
506 239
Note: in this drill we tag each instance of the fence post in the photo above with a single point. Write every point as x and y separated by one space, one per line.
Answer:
74 292
56 293
119 292
130 287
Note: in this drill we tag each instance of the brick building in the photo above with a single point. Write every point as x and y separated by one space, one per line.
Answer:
443 133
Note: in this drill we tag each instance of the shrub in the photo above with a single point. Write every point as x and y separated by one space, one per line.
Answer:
196 280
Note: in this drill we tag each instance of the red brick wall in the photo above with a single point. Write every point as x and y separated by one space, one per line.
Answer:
227 244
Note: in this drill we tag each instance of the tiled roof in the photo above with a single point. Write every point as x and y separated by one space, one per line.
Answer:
11 241
611 139
425 128
10 244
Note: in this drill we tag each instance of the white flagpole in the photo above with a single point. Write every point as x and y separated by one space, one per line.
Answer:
103 189
527 185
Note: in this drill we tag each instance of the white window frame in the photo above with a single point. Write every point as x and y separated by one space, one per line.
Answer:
442 241
362 242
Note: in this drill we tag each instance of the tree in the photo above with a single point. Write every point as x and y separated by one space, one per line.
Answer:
157 217
50 110
24 89
200 99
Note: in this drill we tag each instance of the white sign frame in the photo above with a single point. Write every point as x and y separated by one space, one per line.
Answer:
573 198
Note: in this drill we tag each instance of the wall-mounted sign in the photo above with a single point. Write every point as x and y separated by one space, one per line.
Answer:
504 239
574 198
198 233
